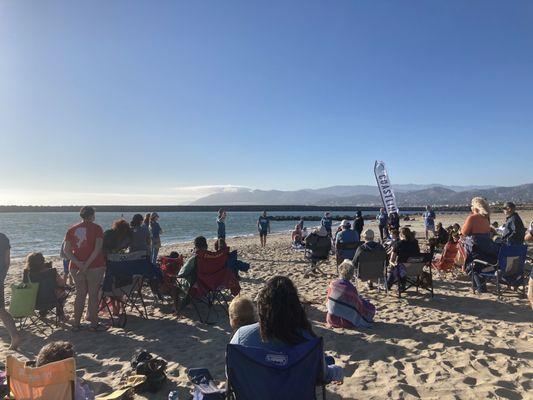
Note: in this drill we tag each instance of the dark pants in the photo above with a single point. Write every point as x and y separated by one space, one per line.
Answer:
383 233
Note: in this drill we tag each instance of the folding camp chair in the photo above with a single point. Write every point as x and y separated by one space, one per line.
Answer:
51 381
260 374
509 270
348 249
126 275
316 252
415 276
215 282
47 301
372 265
446 262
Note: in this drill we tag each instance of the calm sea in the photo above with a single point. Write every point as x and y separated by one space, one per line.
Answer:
44 231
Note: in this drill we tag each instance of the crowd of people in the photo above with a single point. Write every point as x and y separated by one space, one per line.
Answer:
277 317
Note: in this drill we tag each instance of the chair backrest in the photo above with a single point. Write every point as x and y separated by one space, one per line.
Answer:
370 264
213 274
449 253
51 381
46 295
261 374
171 266
415 265
122 266
319 247
512 259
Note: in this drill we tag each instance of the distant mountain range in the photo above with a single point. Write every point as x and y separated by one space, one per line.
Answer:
367 195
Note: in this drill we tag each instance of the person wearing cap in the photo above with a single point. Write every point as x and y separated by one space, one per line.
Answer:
83 247
326 222
347 241
369 245
155 236
513 228
358 223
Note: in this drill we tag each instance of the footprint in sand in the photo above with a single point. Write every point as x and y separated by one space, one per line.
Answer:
470 381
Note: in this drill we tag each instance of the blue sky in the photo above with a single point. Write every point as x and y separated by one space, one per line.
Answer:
133 101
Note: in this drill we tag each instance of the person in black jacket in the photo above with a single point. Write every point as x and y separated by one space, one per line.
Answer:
358 223
513 228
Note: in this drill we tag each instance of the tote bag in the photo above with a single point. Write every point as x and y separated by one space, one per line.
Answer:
23 299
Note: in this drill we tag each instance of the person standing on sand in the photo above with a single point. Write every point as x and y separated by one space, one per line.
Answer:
263 225
358 223
327 222
5 317
221 224
84 248
429 221
155 236
382 219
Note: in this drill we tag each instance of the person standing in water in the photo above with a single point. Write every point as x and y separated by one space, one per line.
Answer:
221 224
263 225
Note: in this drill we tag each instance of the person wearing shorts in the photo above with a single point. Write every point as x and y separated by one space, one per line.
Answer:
263 225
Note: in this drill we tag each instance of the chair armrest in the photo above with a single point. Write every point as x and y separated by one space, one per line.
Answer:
485 263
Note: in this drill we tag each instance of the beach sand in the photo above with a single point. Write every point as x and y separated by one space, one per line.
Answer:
455 345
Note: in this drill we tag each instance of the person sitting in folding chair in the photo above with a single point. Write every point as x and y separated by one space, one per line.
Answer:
346 242
346 308
369 246
318 246
186 278
52 291
406 247
445 262
282 323
51 376
513 230
477 242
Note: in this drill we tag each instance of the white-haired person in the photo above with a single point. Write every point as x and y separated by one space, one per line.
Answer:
477 240
369 246
346 308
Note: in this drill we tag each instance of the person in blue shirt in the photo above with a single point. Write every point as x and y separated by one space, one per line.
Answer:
326 222
429 222
282 323
263 226
347 241
383 219
221 224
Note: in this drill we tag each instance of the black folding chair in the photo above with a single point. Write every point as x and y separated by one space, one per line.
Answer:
372 265
416 275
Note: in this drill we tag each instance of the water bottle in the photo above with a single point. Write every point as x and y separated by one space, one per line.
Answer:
173 395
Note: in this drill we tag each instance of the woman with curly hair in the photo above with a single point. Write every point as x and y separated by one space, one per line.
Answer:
282 322
118 238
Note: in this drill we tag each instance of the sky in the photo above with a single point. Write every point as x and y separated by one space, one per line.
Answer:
135 102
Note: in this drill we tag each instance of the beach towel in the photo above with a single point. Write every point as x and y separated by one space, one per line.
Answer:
346 308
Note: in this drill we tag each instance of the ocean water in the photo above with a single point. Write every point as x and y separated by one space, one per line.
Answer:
44 231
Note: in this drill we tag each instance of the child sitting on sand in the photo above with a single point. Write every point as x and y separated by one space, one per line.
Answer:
241 312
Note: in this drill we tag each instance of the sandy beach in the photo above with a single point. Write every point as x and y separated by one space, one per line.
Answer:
454 346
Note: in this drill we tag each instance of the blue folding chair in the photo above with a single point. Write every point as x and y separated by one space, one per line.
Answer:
260 374
509 270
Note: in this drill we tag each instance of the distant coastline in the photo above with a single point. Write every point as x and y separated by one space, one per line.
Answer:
184 208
